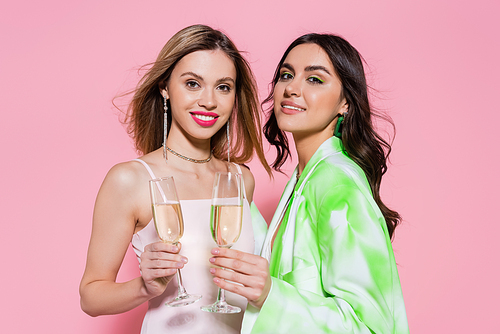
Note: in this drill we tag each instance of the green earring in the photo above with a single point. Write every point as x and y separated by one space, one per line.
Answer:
338 127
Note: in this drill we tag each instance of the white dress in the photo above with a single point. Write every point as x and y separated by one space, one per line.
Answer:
196 245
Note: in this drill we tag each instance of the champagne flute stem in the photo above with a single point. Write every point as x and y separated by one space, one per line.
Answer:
180 287
221 296
181 292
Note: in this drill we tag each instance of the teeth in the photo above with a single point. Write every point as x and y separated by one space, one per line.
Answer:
204 117
293 108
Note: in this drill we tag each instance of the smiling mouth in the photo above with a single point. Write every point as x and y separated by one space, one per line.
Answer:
292 108
205 118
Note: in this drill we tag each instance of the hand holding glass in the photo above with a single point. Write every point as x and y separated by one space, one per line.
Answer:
225 224
169 225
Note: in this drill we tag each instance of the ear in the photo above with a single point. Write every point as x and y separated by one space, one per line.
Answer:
344 108
164 93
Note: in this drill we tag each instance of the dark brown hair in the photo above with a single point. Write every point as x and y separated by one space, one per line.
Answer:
360 141
144 117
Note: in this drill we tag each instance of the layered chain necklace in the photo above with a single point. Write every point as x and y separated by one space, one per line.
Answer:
196 161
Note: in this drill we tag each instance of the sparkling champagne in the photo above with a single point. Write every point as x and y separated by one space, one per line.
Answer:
226 224
168 221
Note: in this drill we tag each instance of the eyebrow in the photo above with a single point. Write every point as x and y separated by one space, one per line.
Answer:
287 66
308 68
199 77
225 79
316 68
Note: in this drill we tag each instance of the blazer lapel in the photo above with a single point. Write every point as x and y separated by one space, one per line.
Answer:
280 211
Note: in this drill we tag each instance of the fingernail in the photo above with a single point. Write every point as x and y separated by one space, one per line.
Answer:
175 248
185 260
215 251
216 280
212 270
180 265
212 260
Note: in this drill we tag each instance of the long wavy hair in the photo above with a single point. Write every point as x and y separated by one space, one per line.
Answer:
144 117
360 141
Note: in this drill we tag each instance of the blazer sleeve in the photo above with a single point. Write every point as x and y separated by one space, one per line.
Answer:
356 268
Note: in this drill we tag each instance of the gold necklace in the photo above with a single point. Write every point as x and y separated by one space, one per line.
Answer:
196 161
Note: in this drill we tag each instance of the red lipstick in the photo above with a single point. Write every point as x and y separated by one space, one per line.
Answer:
204 118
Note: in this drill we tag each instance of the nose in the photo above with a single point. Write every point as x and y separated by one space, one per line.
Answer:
207 99
293 88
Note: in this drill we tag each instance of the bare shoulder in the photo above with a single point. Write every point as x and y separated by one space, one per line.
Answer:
247 176
123 196
125 175
249 181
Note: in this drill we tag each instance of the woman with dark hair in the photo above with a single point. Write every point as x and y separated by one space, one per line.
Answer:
327 264
194 113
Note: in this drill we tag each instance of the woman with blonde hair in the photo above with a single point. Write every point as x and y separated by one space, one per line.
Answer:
194 113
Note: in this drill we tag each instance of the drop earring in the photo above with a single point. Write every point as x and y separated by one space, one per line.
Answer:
338 127
228 141
165 127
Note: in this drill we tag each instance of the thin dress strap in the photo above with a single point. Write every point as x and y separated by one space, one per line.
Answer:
242 181
147 167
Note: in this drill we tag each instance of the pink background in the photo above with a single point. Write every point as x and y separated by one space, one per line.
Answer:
435 64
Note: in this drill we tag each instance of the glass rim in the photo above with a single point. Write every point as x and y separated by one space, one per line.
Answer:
224 173
163 178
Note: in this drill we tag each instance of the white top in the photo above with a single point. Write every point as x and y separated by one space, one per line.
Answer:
196 245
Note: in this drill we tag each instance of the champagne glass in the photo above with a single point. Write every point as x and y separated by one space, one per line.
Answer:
169 225
225 224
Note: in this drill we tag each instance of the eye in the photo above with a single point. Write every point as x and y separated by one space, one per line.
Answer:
285 76
192 84
224 88
315 80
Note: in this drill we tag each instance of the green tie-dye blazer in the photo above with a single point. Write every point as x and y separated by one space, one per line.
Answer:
332 264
